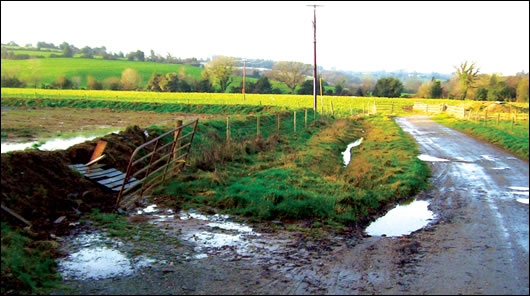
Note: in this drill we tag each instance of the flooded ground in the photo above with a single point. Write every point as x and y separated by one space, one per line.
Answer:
55 143
46 123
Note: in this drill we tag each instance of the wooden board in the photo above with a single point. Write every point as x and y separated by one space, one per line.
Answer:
113 179
105 172
131 183
105 175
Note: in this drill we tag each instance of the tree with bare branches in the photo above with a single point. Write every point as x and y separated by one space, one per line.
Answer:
467 76
290 73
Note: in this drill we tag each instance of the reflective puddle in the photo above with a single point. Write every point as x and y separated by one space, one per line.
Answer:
520 191
8 147
402 220
212 235
425 157
347 153
52 144
92 256
489 158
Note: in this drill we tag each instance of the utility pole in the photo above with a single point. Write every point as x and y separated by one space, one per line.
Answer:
315 60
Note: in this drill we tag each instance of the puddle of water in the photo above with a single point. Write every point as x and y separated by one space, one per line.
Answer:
61 144
92 259
518 188
7 147
487 157
200 256
425 157
215 234
192 214
402 220
148 209
520 191
52 144
347 153
523 200
214 240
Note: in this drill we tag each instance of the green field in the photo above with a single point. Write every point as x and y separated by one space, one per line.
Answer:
48 69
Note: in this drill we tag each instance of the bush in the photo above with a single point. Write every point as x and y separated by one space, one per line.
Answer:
112 83
12 81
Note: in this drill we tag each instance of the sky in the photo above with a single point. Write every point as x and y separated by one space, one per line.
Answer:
352 36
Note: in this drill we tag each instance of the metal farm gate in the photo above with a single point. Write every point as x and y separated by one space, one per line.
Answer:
164 161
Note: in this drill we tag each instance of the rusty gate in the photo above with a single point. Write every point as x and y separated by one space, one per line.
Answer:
165 161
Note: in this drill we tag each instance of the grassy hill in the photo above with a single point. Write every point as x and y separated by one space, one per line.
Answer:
48 69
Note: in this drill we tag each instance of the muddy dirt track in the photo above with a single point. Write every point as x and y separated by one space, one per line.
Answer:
478 243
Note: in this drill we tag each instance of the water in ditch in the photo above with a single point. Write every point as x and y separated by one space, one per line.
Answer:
347 153
52 144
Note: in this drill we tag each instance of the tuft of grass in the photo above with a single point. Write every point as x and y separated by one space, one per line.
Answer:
27 266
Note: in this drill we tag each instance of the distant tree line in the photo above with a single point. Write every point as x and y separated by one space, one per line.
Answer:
465 83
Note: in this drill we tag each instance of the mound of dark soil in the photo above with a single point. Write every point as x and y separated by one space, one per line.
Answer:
39 185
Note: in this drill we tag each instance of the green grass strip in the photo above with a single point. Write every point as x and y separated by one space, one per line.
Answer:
513 140
27 265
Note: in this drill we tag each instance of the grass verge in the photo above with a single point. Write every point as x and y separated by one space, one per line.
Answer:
514 141
303 177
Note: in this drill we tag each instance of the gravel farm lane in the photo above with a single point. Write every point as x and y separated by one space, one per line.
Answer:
481 244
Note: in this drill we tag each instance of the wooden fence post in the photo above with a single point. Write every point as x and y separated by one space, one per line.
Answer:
227 129
332 112
485 117
278 124
392 109
305 124
498 115
294 122
257 127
